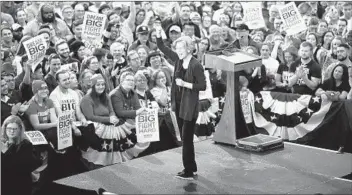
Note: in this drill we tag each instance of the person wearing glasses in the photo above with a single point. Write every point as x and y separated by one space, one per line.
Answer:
134 63
17 158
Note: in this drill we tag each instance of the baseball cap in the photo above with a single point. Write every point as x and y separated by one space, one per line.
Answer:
175 28
16 27
142 30
194 15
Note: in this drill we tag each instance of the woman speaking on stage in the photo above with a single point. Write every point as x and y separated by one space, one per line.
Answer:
188 79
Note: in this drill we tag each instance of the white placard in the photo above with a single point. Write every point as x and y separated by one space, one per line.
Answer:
147 126
253 16
292 19
64 131
35 48
93 26
36 137
246 107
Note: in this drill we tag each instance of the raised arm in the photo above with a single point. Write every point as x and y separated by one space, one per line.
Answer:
167 51
132 17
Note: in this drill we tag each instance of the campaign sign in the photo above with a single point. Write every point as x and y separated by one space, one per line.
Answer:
246 107
35 48
64 131
253 16
93 26
71 67
36 137
292 19
147 126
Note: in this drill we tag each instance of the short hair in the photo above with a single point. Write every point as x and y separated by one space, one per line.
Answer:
155 75
18 121
189 24
184 5
344 20
214 27
112 12
307 44
344 45
347 4
140 74
53 56
59 72
130 53
60 43
124 75
99 53
188 42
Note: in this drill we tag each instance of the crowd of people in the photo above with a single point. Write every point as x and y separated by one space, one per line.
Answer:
134 70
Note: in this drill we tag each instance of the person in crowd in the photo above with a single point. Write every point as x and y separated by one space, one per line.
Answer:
77 31
85 82
142 34
79 11
17 158
271 64
7 41
206 23
67 14
47 15
21 17
55 65
203 46
337 86
117 143
120 62
63 50
160 89
173 33
341 27
343 57
216 41
307 73
326 40
283 75
29 76
79 50
155 61
134 62
143 52
349 96
189 79
318 52
242 38
331 56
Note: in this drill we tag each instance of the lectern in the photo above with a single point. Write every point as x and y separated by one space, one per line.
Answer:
232 63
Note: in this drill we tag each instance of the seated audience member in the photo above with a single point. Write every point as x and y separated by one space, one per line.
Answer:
17 158
337 86
161 90
117 142
29 76
124 99
85 82
66 162
145 97
54 64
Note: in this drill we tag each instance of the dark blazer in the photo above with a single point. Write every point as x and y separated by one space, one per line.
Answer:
195 75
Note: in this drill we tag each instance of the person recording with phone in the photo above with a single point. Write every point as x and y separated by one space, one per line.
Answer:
188 80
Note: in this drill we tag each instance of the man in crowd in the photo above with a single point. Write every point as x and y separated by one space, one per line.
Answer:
64 52
54 62
307 72
343 57
142 34
46 15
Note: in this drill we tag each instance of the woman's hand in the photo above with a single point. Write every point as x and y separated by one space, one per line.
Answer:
141 110
114 120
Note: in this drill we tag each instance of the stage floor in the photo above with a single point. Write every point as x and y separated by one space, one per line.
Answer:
224 169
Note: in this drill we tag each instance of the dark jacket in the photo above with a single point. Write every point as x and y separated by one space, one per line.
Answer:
125 104
17 163
195 75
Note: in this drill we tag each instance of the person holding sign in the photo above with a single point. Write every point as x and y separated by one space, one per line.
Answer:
189 79
17 158
117 142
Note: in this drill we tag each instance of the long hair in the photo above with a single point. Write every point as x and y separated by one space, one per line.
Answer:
155 77
332 82
86 62
18 121
103 97
322 38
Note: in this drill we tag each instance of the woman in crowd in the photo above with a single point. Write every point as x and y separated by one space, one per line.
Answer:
337 86
79 50
318 52
21 17
161 92
96 106
331 56
271 65
17 158
143 51
203 46
85 82
326 40
282 76
206 23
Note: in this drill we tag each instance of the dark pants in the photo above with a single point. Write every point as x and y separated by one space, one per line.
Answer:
186 134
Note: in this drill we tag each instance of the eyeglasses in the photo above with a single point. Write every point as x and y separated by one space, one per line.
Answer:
11 129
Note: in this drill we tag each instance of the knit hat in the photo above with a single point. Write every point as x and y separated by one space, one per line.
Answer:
74 46
38 85
65 7
96 77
